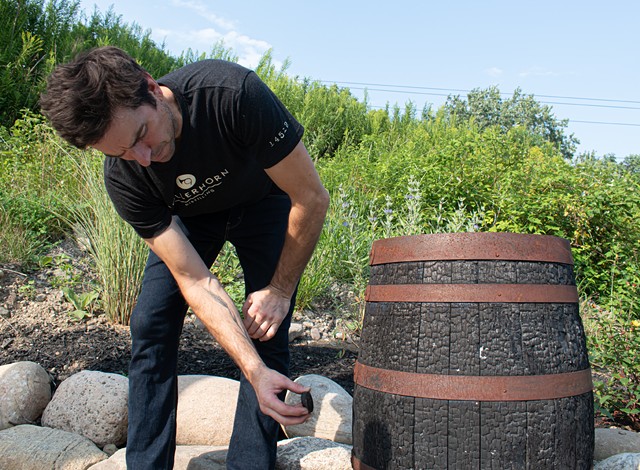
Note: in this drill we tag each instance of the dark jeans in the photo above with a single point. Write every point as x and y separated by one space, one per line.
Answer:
257 232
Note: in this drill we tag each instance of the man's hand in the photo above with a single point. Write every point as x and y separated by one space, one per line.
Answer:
267 384
264 311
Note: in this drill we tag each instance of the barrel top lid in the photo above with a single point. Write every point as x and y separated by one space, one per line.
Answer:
471 246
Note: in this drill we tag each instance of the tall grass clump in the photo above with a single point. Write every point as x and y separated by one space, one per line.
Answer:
118 253
15 241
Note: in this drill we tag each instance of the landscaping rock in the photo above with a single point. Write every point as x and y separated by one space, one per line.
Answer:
332 414
614 441
110 449
25 391
296 330
29 447
92 404
620 462
206 410
312 453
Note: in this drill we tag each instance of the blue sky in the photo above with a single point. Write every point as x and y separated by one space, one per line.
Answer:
581 57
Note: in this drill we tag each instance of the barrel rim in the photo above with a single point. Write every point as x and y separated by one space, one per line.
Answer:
477 246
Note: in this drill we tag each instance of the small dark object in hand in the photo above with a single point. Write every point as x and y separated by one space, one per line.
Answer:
307 401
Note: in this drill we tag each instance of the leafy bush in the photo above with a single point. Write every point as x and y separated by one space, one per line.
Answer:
35 186
33 36
614 342
488 109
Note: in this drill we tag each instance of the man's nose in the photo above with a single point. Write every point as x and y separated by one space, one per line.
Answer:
142 154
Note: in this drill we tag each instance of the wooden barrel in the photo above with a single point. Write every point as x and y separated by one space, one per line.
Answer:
472 356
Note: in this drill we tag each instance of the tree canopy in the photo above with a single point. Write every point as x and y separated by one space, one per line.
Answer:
488 108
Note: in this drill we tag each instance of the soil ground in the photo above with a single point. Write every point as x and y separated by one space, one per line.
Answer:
64 347
35 325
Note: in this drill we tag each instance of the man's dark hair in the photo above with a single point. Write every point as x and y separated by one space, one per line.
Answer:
83 95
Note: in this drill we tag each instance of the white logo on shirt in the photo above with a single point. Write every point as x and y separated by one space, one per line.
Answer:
193 192
185 181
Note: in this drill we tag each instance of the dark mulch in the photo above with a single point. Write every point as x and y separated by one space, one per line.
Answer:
43 333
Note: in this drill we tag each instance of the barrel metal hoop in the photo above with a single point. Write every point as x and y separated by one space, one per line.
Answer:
471 246
474 388
460 293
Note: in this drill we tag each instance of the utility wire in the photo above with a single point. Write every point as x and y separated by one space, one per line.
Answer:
588 105
607 123
468 91
570 120
367 88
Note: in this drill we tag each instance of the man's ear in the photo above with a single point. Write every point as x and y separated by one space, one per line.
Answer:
154 88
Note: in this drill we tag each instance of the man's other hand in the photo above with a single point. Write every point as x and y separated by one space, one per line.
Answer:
264 311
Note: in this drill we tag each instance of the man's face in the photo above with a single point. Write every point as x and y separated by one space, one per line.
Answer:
144 134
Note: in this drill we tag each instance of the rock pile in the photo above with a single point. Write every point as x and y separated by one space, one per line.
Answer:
83 424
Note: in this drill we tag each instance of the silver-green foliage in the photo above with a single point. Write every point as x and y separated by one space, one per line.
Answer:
357 217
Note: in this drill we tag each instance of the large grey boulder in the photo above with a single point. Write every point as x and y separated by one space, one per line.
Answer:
332 411
613 441
312 453
206 410
25 391
29 447
92 404
620 462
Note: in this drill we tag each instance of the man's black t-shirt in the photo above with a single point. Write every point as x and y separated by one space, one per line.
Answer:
233 128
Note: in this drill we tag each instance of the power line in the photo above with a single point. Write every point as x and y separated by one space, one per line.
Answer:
631 124
607 123
400 91
590 105
468 91
367 88
543 102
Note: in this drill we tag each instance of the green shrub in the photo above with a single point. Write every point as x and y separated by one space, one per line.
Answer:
614 342
36 185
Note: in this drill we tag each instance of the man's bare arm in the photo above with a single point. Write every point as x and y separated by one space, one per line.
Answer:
211 304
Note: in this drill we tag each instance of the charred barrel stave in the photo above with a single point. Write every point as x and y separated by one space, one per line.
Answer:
393 431
472 272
